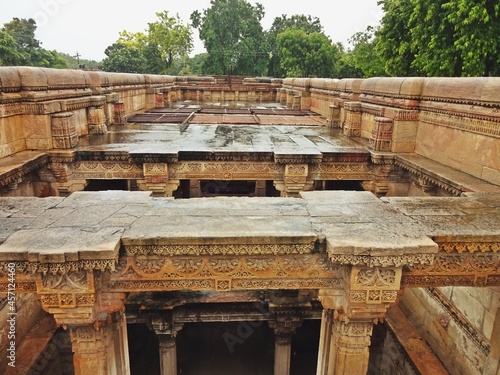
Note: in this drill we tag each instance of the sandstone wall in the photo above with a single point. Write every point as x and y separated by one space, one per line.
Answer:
458 324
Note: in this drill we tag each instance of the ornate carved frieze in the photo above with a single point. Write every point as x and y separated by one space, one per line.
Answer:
26 267
382 261
348 171
460 269
106 170
15 175
469 247
426 180
220 249
229 272
466 121
10 109
225 171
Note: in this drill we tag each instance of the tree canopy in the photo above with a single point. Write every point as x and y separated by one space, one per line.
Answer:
153 51
440 37
307 55
281 24
18 46
233 37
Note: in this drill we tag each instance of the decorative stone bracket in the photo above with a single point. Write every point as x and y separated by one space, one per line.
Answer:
156 180
295 180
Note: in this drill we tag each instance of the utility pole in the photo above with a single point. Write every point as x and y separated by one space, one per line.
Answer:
78 58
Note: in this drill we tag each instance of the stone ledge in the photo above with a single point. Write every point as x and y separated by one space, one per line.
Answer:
440 175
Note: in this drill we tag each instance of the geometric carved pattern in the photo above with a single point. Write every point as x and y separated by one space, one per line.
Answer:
251 249
60 268
471 247
106 170
382 261
485 126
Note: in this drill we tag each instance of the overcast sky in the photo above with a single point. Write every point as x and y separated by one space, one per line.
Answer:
89 26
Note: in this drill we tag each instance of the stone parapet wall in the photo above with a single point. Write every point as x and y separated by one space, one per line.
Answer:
454 121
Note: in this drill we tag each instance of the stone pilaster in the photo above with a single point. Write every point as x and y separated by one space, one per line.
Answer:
352 126
94 351
381 137
334 116
64 135
96 120
159 100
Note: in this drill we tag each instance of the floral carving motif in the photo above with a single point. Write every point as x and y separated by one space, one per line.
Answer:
224 265
296 264
376 277
149 264
187 265
260 264
67 281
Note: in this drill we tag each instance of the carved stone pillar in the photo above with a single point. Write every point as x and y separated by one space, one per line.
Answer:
166 331
384 175
350 343
101 348
352 126
284 328
381 138
168 355
260 188
119 113
349 315
96 120
64 133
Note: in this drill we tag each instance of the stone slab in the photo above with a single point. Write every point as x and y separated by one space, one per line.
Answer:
91 225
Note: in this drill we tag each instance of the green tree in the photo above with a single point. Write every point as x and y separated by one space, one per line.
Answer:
9 54
20 47
233 37
440 37
393 38
363 57
307 55
281 24
170 37
124 58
